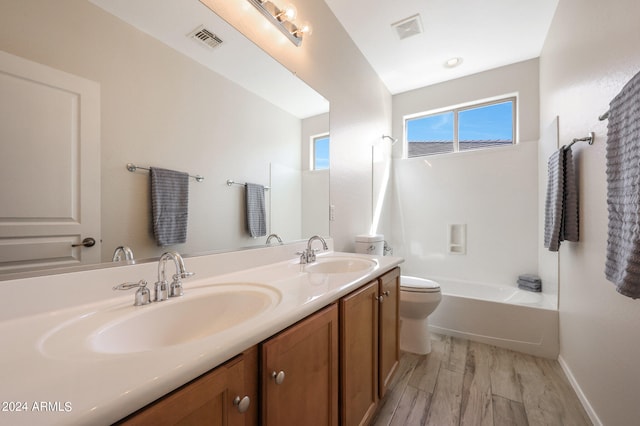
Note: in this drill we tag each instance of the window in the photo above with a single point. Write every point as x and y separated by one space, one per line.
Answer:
478 126
320 152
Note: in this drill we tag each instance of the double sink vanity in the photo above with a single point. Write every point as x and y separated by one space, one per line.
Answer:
257 338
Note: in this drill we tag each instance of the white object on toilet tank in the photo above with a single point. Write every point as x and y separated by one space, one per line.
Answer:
370 244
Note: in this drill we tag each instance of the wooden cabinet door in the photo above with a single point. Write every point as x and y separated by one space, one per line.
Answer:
389 328
359 355
306 357
209 399
242 382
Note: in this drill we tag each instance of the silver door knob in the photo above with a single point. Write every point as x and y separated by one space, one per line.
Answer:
242 404
278 377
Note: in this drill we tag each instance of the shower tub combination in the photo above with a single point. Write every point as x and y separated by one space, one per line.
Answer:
498 315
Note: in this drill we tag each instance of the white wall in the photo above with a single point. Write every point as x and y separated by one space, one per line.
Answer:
591 51
493 192
160 108
360 104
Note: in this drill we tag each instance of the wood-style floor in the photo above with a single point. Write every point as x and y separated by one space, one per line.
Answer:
467 383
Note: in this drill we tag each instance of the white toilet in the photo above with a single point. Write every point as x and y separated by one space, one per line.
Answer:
419 297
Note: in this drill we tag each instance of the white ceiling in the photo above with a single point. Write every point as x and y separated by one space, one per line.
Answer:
485 33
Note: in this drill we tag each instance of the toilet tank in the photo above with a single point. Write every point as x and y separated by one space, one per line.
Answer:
370 244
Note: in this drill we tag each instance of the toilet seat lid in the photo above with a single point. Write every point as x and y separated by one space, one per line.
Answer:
418 285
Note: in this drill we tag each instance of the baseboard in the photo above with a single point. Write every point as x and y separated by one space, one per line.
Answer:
576 387
540 349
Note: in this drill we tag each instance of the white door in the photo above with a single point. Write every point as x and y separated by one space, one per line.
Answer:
49 166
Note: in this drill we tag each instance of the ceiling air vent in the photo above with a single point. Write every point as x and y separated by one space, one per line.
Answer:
205 37
408 27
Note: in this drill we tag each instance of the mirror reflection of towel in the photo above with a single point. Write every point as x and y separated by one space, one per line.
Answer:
256 220
169 205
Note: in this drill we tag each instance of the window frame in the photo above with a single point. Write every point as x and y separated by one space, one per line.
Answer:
312 150
456 109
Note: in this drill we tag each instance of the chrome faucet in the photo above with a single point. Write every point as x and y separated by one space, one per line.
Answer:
162 288
309 255
143 295
276 236
123 251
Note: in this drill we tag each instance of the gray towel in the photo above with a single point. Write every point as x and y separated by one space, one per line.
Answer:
623 190
553 205
570 217
256 216
525 285
561 207
169 205
532 278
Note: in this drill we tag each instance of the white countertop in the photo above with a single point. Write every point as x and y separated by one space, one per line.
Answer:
45 384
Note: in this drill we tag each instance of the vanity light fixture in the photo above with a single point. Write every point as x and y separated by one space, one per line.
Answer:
283 19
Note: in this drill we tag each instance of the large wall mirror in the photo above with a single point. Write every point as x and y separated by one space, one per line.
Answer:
228 112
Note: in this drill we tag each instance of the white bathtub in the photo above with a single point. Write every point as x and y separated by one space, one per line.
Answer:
503 316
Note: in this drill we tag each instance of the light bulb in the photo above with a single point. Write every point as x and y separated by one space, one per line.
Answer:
304 28
288 13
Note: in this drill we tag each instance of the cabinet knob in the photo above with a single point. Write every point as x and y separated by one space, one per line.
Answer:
382 296
278 377
242 404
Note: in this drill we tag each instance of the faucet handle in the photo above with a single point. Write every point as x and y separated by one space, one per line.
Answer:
176 289
143 295
129 286
306 256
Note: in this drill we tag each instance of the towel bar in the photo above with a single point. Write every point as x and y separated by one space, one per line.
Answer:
232 182
589 139
132 168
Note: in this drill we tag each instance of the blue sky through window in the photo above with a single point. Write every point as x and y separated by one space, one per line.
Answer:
321 153
481 126
438 127
487 123
490 122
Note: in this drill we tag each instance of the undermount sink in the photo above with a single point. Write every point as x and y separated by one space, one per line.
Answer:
339 265
197 315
